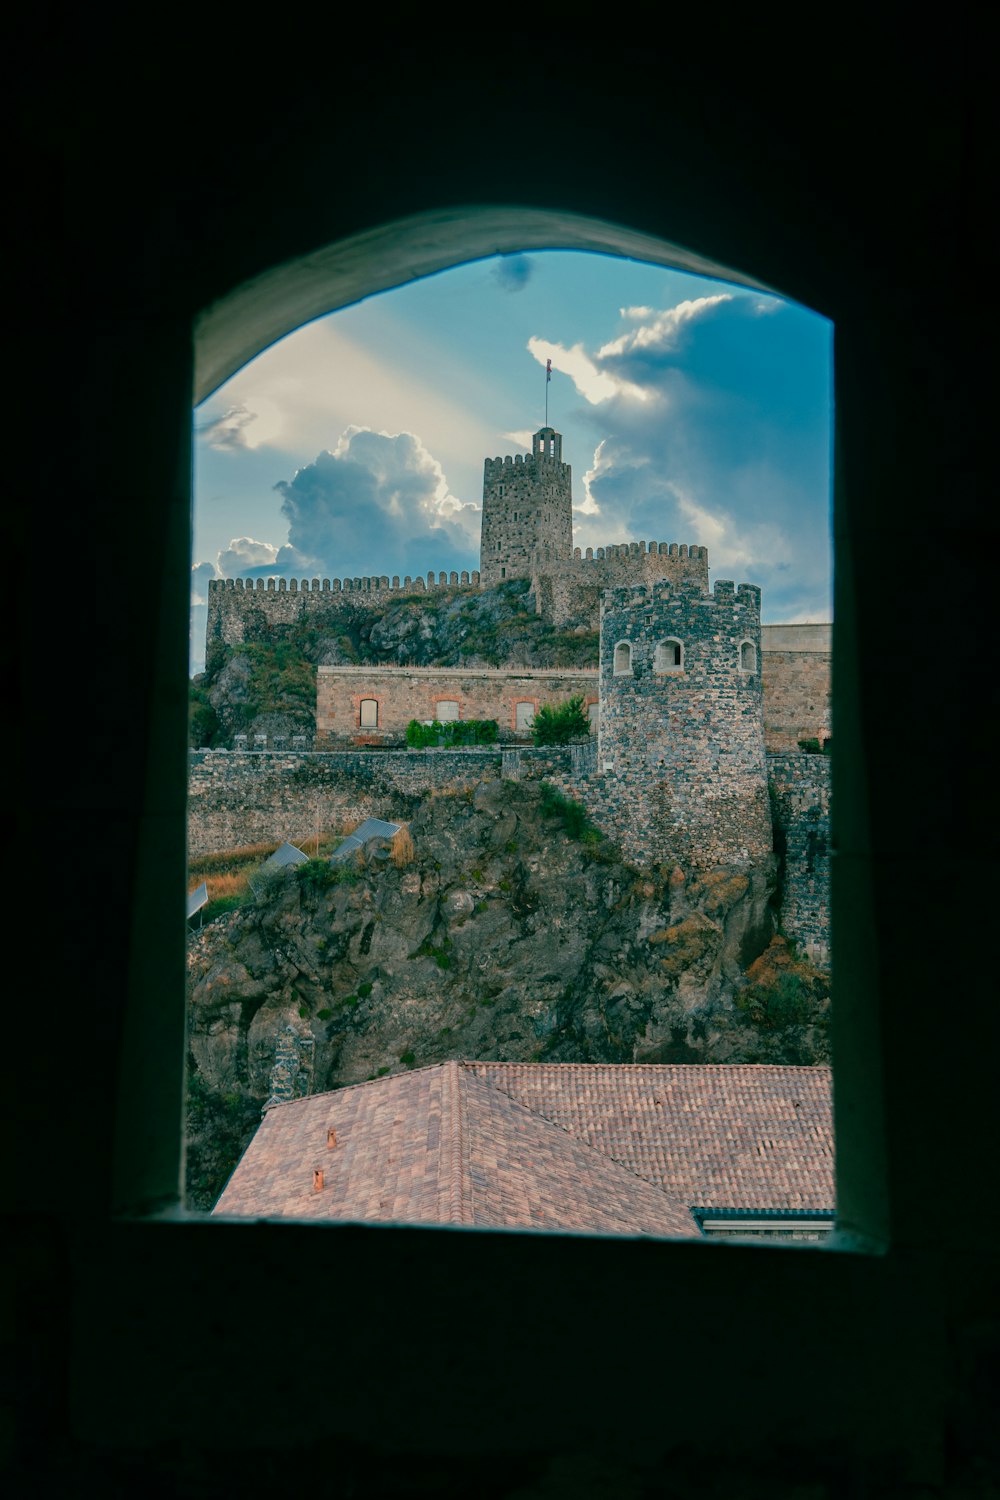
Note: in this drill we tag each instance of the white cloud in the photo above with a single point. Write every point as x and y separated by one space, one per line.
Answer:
243 554
589 506
201 574
301 392
594 385
660 330
378 501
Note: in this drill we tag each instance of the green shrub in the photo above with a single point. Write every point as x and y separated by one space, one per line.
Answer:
454 732
558 723
815 746
324 1014
408 1060
203 721
218 908
788 1002
570 814
318 875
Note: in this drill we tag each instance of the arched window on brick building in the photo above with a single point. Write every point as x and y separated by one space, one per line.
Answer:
368 713
623 657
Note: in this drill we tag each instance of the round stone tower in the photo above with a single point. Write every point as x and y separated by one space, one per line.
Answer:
527 510
681 738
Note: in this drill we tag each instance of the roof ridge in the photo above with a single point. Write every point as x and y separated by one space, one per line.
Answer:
484 1062
456 1162
605 1156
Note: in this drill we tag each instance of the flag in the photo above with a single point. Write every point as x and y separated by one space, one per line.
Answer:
548 371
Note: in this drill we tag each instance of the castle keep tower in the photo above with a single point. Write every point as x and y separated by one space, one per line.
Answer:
681 740
527 510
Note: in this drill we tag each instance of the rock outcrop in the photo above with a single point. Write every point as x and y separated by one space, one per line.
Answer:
495 931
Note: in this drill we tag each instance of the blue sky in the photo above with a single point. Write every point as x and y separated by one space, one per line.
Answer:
691 411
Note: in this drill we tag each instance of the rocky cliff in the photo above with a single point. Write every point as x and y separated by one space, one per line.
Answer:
501 926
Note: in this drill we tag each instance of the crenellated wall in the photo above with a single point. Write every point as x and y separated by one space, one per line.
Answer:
247 609
571 589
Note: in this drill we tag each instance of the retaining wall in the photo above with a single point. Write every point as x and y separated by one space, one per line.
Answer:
237 798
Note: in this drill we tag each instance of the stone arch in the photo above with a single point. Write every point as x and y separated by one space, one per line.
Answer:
252 316
622 658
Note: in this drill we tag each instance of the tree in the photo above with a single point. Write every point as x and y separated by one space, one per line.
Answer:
558 723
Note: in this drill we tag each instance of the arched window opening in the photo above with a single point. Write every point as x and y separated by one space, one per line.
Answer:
669 656
748 657
624 567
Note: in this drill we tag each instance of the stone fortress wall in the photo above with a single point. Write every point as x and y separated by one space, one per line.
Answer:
690 691
570 587
247 609
795 680
681 737
800 805
255 796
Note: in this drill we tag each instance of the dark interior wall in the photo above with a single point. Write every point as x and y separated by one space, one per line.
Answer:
182 1356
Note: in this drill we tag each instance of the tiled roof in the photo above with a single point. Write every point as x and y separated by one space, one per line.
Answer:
604 1147
738 1136
439 1146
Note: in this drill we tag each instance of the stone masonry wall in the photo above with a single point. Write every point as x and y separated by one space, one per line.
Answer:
796 672
527 503
249 609
236 798
570 588
404 693
681 747
800 797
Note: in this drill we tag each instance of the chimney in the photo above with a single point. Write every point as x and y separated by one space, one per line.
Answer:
331 1137
317 1179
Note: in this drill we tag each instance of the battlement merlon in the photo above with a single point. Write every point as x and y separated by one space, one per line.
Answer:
377 583
725 593
677 550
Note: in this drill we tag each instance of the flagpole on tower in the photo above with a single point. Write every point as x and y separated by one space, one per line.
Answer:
548 377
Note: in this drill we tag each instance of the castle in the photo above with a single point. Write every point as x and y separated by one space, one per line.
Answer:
527 532
696 710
